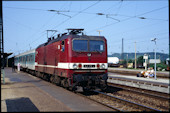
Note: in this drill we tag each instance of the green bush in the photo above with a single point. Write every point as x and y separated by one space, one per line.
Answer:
130 61
160 65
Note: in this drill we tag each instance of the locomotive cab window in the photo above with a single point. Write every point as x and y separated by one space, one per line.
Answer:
88 45
80 45
62 46
96 46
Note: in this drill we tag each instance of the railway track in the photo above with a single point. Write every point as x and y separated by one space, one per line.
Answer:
149 93
125 98
151 100
141 84
116 103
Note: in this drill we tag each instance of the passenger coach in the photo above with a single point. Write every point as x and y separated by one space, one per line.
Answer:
26 60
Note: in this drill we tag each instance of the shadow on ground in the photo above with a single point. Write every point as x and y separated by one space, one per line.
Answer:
20 105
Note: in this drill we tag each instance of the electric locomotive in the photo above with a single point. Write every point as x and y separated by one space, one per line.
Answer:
73 60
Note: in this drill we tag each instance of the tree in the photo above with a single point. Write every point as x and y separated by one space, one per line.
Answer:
140 60
130 61
123 62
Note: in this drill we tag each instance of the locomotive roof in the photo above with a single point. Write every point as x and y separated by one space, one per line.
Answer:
72 36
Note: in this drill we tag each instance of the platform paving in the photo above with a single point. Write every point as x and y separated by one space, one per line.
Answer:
151 79
133 72
25 93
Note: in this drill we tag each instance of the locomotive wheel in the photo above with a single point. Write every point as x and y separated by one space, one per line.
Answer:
85 89
65 83
62 83
43 76
38 74
73 87
48 76
33 73
52 80
26 70
58 81
104 88
103 85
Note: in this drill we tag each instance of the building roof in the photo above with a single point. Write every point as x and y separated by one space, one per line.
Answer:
6 54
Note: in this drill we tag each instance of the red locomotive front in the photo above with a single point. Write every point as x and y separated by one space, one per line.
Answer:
74 60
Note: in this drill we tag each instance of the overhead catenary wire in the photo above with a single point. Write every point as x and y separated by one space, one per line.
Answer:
25 8
60 23
46 23
128 18
90 13
43 33
142 41
134 29
88 20
18 23
75 15
79 12
137 42
114 5
119 7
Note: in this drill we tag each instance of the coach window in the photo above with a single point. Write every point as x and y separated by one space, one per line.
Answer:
62 46
30 57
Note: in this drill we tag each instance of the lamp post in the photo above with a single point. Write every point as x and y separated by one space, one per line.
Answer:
135 54
155 56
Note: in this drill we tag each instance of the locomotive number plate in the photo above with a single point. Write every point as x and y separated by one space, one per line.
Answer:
89 66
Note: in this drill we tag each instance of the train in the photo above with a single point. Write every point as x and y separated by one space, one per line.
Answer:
71 60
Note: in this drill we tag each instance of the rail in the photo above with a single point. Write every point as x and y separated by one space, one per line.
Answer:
150 93
126 102
140 84
115 103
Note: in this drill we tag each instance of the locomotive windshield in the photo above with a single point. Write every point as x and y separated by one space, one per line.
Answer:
80 45
88 45
96 45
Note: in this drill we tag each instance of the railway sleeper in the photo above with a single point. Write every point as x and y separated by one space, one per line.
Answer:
126 102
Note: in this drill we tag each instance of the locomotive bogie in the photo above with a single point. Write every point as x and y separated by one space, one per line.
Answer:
90 80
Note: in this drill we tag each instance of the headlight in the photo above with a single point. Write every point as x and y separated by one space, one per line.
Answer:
75 66
102 66
79 66
98 66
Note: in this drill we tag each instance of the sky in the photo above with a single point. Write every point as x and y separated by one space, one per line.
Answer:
25 23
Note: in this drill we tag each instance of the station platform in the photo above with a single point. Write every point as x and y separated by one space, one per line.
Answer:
23 92
159 84
162 74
